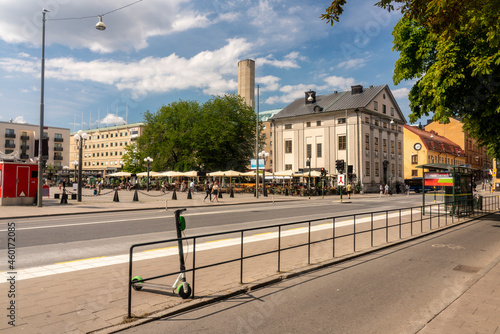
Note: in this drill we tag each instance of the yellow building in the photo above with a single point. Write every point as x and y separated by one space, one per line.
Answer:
423 147
475 156
103 151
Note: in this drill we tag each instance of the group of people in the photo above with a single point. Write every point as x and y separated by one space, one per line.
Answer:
212 189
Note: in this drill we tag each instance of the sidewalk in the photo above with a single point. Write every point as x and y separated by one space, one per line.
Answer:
95 298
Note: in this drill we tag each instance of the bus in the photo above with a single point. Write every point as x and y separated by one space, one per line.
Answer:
416 185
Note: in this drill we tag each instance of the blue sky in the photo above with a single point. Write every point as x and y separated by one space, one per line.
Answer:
159 51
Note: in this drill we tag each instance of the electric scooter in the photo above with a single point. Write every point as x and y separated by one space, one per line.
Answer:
181 287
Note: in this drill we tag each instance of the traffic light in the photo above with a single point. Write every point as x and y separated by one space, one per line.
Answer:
322 171
341 166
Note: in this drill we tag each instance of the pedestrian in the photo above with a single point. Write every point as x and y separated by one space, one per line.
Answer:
215 192
208 191
386 189
191 185
381 189
163 186
349 190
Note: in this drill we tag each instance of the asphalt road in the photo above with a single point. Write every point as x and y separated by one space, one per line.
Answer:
396 290
48 240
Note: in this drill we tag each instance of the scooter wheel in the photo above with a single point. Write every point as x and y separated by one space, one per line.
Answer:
136 279
182 293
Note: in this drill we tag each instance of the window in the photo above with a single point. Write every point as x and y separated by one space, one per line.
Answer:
400 171
308 124
9 143
376 122
377 169
384 124
375 105
318 150
392 147
399 147
308 151
376 144
367 142
288 146
384 145
367 119
367 168
318 123
341 121
341 142
393 170
288 167
392 111
9 133
288 126
384 109
414 159
414 172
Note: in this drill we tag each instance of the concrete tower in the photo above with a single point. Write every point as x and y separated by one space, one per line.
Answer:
246 81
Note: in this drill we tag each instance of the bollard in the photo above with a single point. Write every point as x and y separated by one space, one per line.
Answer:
174 195
220 194
232 193
189 194
166 205
115 198
64 198
136 196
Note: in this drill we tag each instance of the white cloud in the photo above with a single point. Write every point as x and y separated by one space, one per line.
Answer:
289 61
400 93
19 119
353 63
270 82
112 119
206 70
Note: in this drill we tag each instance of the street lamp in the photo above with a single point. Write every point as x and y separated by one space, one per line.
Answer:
264 155
80 138
148 160
75 163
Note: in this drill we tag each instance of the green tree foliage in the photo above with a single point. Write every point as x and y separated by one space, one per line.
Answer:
451 49
184 135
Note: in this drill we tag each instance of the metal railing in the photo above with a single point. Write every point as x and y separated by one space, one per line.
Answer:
422 220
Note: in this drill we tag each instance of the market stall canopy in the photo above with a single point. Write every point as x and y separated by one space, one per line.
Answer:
227 173
284 173
120 174
192 173
314 173
145 174
250 173
171 174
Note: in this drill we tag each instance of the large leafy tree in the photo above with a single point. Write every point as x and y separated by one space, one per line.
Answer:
185 135
451 49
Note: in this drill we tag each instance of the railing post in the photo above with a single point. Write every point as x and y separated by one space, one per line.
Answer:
411 220
399 224
372 228
334 237
386 226
129 314
309 244
279 248
194 267
354 235
241 260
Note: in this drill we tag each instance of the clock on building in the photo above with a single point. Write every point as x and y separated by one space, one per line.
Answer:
417 146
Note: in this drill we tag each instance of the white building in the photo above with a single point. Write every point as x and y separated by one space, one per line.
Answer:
21 140
363 127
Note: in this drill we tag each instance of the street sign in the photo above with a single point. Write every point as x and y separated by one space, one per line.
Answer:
341 179
494 173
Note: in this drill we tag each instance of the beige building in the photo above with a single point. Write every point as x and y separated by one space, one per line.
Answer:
103 151
475 156
267 124
363 127
21 140
427 147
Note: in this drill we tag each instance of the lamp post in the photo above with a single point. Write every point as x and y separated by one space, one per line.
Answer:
75 163
80 138
308 164
264 155
148 160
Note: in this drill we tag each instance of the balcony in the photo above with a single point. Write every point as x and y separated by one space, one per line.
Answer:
58 157
25 147
10 135
58 149
9 145
25 137
58 140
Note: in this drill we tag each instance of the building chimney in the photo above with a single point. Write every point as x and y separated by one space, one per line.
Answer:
246 81
358 89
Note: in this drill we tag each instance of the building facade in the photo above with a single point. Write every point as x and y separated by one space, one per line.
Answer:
21 140
103 151
265 119
363 127
427 147
475 156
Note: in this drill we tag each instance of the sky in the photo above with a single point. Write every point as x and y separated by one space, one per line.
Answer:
155 52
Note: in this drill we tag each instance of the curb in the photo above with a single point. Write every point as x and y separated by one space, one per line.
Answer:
188 306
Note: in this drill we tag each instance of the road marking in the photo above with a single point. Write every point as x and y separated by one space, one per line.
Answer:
90 258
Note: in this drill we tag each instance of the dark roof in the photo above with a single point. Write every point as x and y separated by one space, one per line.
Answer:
435 142
331 102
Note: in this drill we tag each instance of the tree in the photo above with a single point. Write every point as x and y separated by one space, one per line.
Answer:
451 49
184 136
132 159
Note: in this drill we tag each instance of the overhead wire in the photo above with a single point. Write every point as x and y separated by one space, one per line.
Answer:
93 16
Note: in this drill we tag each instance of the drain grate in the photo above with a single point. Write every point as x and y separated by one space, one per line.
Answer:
466 269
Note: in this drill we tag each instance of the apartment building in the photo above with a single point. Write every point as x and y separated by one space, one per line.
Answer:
103 150
21 141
